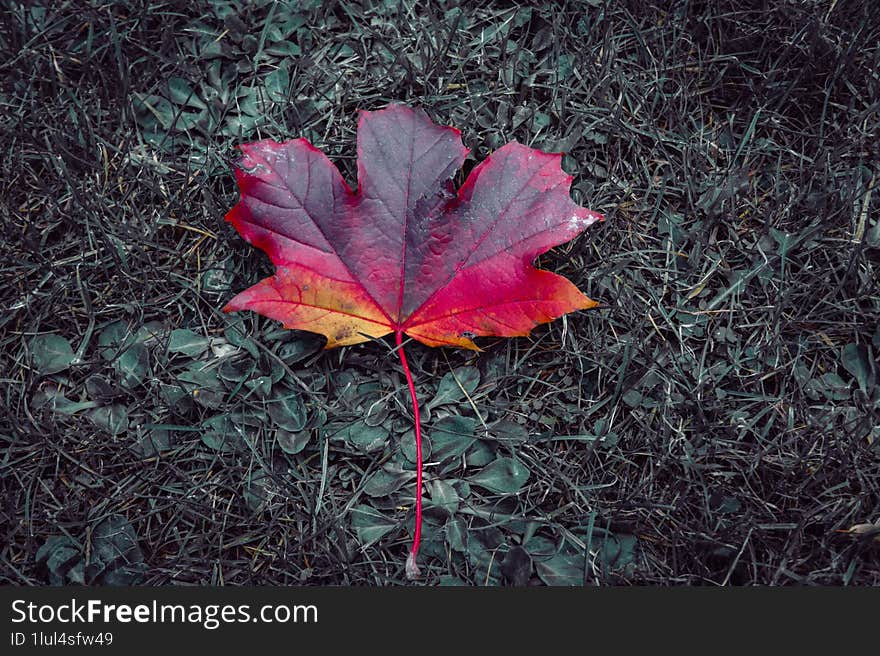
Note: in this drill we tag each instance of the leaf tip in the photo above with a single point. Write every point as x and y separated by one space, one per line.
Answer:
588 303
236 303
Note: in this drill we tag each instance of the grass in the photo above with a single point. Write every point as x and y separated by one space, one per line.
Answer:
715 423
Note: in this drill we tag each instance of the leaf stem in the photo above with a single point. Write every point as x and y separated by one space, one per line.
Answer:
412 569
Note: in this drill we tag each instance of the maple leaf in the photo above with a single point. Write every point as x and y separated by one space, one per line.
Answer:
405 253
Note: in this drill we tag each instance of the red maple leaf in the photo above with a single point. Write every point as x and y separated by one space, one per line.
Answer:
405 253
